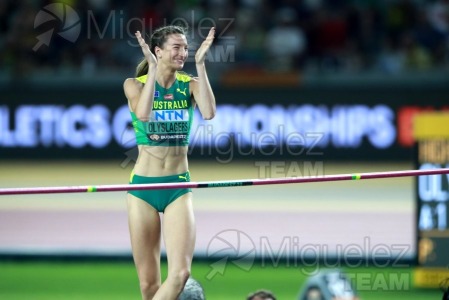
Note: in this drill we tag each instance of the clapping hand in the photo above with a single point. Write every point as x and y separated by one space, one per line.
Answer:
200 55
149 56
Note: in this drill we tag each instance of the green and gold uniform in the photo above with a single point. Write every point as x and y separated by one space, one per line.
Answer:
169 125
171 116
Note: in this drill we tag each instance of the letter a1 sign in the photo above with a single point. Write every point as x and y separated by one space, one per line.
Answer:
431 133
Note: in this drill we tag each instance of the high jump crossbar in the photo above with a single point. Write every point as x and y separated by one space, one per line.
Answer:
211 184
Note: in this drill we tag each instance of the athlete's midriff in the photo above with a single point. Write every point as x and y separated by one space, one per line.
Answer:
161 161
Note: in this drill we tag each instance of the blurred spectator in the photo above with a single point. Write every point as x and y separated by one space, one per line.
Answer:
329 284
392 58
444 285
279 35
438 14
429 37
416 56
285 43
329 36
261 295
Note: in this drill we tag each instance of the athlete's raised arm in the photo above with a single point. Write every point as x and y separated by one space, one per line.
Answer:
141 98
201 89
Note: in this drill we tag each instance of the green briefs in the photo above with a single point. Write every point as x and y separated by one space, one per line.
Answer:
160 199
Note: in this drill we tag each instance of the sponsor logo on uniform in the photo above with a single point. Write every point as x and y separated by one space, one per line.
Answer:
155 137
169 115
168 97
182 92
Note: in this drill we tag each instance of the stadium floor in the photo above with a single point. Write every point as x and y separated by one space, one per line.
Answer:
335 214
332 214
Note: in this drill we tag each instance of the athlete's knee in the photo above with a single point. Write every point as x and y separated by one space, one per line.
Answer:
179 278
148 288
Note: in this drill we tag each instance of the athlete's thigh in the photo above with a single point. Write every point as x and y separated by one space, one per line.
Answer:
145 232
179 232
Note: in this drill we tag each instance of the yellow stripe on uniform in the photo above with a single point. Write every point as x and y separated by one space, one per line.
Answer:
184 77
181 76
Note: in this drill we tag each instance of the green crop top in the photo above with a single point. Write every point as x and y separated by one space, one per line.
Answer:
170 119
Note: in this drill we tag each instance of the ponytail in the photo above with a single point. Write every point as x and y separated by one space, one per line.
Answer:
142 68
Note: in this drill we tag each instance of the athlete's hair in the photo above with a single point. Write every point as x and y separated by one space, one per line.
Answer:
158 38
261 294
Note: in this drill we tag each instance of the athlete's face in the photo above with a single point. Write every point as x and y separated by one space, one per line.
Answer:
175 52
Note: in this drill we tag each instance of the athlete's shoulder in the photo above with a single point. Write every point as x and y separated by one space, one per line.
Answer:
183 77
131 86
193 83
131 83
